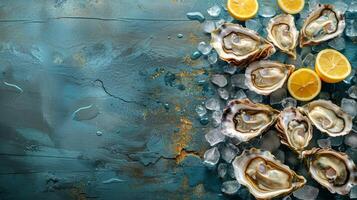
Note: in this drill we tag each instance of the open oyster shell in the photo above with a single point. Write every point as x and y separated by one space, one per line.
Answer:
324 23
328 117
264 175
332 169
283 34
244 120
264 77
240 45
295 129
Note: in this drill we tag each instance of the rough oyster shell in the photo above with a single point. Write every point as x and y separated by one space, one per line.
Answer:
324 23
328 117
240 45
333 170
283 34
295 129
244 120
264 77
264 175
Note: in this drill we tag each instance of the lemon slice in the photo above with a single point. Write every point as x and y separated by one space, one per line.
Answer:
332 66
242 9
291 6
304 84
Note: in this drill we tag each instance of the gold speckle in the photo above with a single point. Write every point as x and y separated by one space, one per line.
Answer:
79 58
192 38
182 137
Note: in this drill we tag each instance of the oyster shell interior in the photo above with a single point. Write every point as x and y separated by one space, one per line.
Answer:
264 175
295 129
283 34
332 169
244 120
240 45
323 24
328 117
264 77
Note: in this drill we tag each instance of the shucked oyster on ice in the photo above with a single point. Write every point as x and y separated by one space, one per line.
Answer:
322 24
244 120
264 175
264 77
295 129
240 45
328 117
332 169
283 34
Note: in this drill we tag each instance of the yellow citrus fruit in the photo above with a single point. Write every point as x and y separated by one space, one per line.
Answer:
304 84
291 6
242 9
332 66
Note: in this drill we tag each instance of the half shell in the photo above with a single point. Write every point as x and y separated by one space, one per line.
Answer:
240 45
324 23
244 120
328 117
283 34
264 77
295 129
333 170
264 175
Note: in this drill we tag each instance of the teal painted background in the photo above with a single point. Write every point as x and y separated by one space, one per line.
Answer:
107 98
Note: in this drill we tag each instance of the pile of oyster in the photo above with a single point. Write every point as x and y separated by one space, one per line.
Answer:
243 120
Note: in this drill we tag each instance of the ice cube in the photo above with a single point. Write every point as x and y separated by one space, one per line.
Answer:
238 80
307 192
217 117
195 16
219 80
288 102
230 187
229 69
253 24
351 140
215 136
266 11
352 91
211 157
309 60
229 152
223 93
254 97
353 193
336 141
212 104
270 141
277 96
338 43
313 4
240 94
200 110
204 48
208 26
349 106
324 143
350 77
214 11
222 170
212 58
341 6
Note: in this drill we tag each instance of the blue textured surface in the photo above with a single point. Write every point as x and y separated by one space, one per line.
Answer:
105 108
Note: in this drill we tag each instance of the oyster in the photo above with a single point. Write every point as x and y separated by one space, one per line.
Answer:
283 34
244 120
328 117
264 77
332 169
295 129
240 45
264 175
324 23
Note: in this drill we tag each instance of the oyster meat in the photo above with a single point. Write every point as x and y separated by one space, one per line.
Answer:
332 169
324 23
283 34
328 117
264 175
240 45
244 120
295 129
264 77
